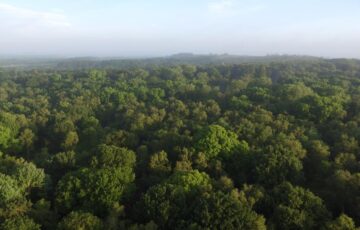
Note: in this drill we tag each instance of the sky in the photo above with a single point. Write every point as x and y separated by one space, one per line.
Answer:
137 28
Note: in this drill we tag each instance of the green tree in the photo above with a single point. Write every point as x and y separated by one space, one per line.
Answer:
70 141
159 163
294 207
215 140
280 161
27 138
113 156
12 199
221 211
62 162
96 190
80 221
167 203
343 222
5 137
19 223
43 214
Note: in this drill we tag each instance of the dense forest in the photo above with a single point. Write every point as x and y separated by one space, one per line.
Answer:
227 146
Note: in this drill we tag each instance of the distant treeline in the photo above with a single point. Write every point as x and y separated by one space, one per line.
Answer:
120 63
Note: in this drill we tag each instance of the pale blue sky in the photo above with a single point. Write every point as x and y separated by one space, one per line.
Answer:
161 27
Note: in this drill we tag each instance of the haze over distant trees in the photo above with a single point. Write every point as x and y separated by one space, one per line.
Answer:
80 63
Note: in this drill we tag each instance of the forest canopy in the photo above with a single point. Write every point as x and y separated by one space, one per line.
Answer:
271 145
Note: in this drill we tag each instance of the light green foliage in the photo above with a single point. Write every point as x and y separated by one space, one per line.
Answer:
320 108
19 223
71 139
27 138
343 222
9 191
188 181
293 92
17 179
319 150
159 163
25 173
29 176
80 221
97 75
215 140
347 161
258 94
241 103
5 137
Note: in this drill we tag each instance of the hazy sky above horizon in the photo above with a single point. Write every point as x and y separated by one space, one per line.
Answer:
159 27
